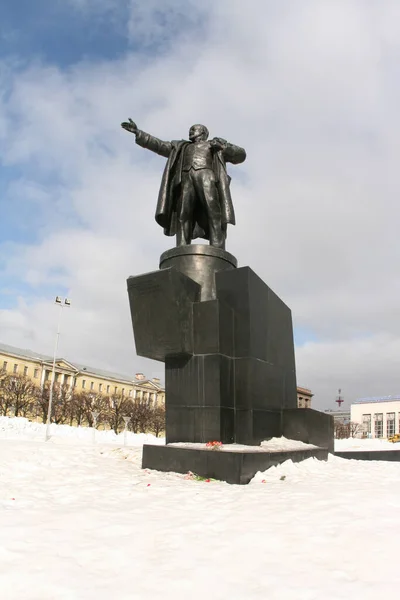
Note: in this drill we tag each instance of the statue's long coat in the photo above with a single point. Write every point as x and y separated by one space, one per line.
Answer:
170 189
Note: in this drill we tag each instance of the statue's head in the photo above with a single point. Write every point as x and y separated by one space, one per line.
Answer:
198 132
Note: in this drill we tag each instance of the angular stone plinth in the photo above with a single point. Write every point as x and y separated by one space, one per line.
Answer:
230 466
162 315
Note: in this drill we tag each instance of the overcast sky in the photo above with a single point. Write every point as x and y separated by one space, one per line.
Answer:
310 89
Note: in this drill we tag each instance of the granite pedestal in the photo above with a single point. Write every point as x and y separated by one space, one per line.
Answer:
227 342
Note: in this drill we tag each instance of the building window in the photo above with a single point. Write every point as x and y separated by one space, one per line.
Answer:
15 368
100 387
115 389
366 424
83 383
92 385
108 389
390 424
130 393
57 377
123 391
5 365
36 373
378 425
25 371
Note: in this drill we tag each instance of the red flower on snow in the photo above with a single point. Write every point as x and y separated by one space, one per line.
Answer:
214 445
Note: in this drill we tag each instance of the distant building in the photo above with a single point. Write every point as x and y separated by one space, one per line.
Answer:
304 396
342 417
378 416
81 378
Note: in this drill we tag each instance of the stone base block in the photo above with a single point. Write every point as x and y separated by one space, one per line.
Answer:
386 455
309 426
237 467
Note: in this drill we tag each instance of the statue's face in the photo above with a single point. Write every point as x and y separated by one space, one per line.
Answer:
197 132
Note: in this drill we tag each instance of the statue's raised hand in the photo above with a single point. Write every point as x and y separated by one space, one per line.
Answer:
130 126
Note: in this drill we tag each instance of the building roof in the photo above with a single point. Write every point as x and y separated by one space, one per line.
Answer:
30 354
374 399
23 353
304 390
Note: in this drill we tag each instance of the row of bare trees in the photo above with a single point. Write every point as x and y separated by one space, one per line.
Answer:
346 430
20 396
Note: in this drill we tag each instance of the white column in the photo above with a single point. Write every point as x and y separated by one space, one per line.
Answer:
43 375
384 425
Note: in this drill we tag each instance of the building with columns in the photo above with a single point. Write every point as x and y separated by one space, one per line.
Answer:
79 377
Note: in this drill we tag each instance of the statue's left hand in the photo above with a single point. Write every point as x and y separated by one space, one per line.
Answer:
219 143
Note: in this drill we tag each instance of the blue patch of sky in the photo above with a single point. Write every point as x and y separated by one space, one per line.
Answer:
24 218
302 335
12 289
60 33
20 219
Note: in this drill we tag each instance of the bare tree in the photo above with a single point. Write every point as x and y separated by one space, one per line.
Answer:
157 420
5 401
95 403
42 401
140 413
17 391
354 429
119 406
344 430
61 404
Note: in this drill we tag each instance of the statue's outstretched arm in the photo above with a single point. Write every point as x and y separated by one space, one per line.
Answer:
145 140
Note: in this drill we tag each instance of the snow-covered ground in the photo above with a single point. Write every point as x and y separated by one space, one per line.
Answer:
82 521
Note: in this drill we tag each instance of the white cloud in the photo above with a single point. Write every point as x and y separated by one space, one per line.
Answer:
310 90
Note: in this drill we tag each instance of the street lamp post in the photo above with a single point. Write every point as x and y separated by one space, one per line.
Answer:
126 421
61 304
95 415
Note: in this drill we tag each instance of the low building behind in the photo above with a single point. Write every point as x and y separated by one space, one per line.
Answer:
79 377
379 416
304 396
341 417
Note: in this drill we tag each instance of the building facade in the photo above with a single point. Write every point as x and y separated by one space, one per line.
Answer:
78 377
340 416
83 378
379 417
304 396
